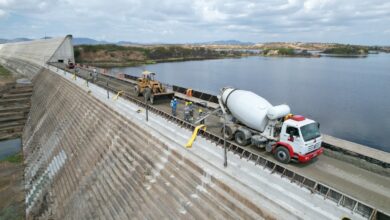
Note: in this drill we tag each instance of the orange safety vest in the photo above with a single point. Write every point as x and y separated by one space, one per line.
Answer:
189 92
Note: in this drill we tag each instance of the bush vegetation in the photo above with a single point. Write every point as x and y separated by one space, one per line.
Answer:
127 55
346 50
16 158
284 51
4 72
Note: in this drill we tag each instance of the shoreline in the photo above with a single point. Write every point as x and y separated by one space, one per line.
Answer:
171 60
108 64
345 55
148 62
293 56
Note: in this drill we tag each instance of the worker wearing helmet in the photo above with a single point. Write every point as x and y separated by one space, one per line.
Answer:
94 75
200 115
187 112
174 106
191 106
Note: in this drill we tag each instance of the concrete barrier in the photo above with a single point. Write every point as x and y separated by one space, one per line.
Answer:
39 52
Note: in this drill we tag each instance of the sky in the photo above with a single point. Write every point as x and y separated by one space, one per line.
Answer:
189 21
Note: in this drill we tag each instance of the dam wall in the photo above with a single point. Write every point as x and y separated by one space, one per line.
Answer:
39 52
85 161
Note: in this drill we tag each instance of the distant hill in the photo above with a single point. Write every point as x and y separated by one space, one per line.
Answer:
87 41
90 41
20 39
226 42
126 43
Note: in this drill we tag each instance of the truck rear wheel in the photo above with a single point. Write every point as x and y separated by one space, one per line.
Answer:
240 138
229 135
282 154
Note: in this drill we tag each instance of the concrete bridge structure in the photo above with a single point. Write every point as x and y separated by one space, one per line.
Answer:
88 156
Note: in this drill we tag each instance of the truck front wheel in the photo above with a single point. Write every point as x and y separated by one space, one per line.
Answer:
282 154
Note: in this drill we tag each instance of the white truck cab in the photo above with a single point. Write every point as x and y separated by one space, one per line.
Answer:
300 139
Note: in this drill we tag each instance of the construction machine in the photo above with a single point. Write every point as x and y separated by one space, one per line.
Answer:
151 89
249 119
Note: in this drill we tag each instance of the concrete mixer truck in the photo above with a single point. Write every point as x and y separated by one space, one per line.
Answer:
250 119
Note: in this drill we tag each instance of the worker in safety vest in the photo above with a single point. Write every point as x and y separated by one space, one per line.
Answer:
174 106
189 92
200 115
187 115
94 74
191 109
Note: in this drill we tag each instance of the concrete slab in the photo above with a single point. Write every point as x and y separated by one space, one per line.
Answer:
358 148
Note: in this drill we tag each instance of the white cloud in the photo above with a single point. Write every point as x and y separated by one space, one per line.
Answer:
318 4
209 11
5 3
198 20
2 13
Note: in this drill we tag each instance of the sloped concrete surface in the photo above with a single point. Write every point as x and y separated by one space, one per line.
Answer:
84 161
39 52
89 158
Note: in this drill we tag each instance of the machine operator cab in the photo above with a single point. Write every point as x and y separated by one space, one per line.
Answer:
147 76
302 137
146 81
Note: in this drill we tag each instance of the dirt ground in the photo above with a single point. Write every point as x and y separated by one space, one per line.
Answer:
12 189
11 174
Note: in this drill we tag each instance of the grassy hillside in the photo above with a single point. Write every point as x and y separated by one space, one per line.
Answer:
290 52
4 73
5 76
346 50
114 55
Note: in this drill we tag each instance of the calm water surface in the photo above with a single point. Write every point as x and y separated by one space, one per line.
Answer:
350 97
10 147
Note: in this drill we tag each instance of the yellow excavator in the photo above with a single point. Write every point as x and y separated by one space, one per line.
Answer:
151 89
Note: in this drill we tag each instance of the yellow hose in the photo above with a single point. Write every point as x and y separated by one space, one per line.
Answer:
117 95
194 134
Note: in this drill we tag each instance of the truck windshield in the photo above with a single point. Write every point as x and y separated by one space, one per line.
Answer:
310 131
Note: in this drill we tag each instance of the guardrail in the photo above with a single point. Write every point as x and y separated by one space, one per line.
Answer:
327 192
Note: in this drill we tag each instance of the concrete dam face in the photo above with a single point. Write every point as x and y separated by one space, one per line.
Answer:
89 156
86 161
